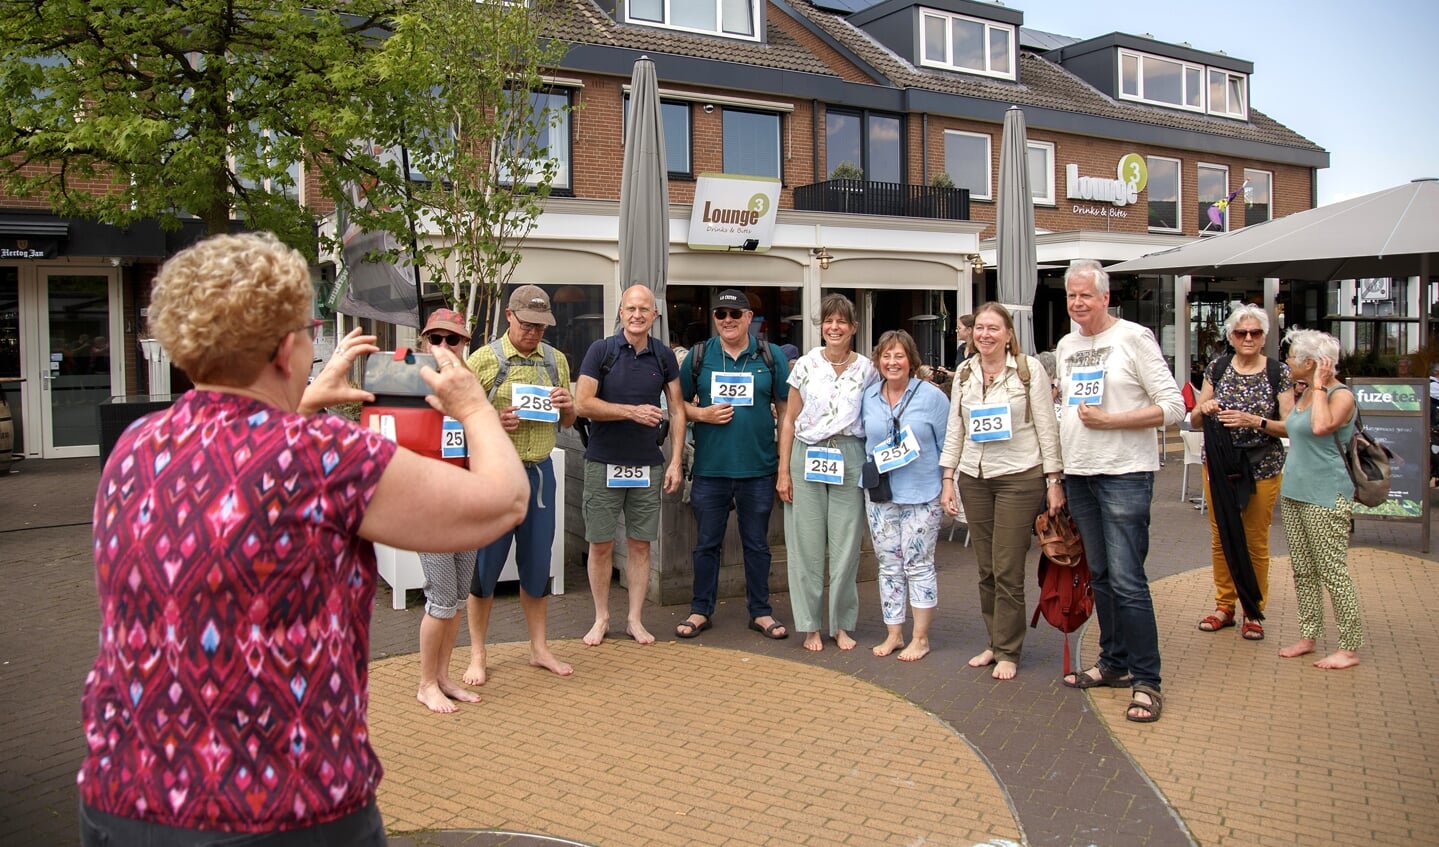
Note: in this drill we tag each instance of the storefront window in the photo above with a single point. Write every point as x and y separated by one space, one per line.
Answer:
778 313
580 319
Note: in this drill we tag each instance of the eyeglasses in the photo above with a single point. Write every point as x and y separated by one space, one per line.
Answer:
526 326
313 325
451 339
728 314
1248 333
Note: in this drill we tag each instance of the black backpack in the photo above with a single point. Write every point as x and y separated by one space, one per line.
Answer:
612 353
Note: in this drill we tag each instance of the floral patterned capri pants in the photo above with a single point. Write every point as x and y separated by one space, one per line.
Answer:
904 536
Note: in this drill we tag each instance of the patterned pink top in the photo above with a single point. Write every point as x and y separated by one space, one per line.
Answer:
231 687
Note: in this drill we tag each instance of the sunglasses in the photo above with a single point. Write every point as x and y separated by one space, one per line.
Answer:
729 314
451 339
1248 333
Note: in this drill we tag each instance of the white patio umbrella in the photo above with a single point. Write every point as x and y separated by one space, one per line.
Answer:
1390 233
644 194
1014 241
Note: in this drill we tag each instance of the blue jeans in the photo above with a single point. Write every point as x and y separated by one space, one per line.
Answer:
711 498
1112 513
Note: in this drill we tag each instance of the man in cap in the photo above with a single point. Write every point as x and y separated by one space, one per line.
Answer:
736 394
622 380
446 574
529 385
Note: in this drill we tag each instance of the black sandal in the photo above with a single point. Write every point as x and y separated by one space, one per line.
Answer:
1106 679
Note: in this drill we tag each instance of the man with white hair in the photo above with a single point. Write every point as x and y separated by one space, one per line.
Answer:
1115 389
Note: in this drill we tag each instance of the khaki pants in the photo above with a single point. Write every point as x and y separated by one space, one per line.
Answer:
1001 519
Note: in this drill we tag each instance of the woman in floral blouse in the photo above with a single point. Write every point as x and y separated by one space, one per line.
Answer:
821 448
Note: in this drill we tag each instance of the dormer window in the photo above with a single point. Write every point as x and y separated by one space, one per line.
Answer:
729 18
965 44
1182 85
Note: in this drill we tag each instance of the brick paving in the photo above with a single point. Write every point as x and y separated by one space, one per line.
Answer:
732 739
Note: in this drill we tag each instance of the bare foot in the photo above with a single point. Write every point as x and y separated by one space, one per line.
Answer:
476 673
918 648
454 692
1298 648
435 700
1338 660
596 635
1005 670
541 657
844 640
887 646
637 631
982 660
813 642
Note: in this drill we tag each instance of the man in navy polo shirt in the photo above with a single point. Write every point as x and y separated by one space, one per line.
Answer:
735 459
622 380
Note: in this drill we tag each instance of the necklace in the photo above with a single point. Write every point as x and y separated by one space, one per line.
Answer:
841 363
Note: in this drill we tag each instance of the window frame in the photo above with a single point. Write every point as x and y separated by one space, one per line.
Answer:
1049 198
688 106
988 162
1184 66
1203 211
778 136
756 20
947 61
563 183
1229 77
1269 175
1178 193
864 116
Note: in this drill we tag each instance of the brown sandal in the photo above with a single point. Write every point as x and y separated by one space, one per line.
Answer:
1252 630
1219 620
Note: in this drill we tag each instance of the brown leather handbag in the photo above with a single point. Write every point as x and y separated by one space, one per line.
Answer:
1059 538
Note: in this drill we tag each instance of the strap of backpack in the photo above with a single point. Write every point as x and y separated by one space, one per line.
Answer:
503 372
766 355
1021 366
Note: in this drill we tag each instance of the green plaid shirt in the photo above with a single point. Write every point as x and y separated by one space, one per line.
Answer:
534 440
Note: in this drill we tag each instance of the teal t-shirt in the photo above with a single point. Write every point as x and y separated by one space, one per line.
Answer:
745 447
1314 470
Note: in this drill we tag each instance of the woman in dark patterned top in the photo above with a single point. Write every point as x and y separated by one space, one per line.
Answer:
1250 395
235 570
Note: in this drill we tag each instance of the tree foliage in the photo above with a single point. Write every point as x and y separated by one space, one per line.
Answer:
153 109
473 121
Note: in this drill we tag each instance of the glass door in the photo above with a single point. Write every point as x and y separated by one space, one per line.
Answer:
76 369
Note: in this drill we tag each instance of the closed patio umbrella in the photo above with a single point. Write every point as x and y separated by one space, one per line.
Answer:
644 194
1015 245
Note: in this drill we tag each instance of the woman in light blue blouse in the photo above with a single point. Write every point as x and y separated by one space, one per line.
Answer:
904 424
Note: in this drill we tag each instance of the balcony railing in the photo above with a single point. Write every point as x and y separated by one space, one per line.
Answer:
861 197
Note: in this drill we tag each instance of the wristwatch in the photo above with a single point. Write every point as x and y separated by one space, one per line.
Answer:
1049 480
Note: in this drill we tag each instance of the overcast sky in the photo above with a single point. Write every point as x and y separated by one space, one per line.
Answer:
1358 79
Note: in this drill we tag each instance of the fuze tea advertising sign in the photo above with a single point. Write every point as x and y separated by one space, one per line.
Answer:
733 212
1395 415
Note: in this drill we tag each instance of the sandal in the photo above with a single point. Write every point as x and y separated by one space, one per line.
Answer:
1104 678
1252 630
1153 707
1219 620
689 629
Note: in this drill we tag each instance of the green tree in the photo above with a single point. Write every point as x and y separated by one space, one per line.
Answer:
123 111
474 119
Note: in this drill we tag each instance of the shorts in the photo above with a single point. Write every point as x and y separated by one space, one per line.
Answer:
602 506
532 540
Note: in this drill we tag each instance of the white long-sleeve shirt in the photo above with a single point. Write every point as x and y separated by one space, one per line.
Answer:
1135 376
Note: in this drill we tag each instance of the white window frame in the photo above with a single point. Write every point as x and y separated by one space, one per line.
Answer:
1204 219
1047 197
1226 108
991 30
988 162
1178 193
557 133
719 30
1184 67
1269 175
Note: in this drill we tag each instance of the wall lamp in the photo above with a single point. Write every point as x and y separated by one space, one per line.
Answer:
976 262
823 255
749 245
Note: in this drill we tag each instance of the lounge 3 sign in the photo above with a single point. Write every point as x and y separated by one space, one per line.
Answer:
1130 178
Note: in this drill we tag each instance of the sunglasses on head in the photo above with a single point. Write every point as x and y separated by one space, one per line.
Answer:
1248 333
729 314
437 338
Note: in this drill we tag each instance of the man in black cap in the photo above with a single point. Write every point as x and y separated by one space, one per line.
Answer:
737 389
